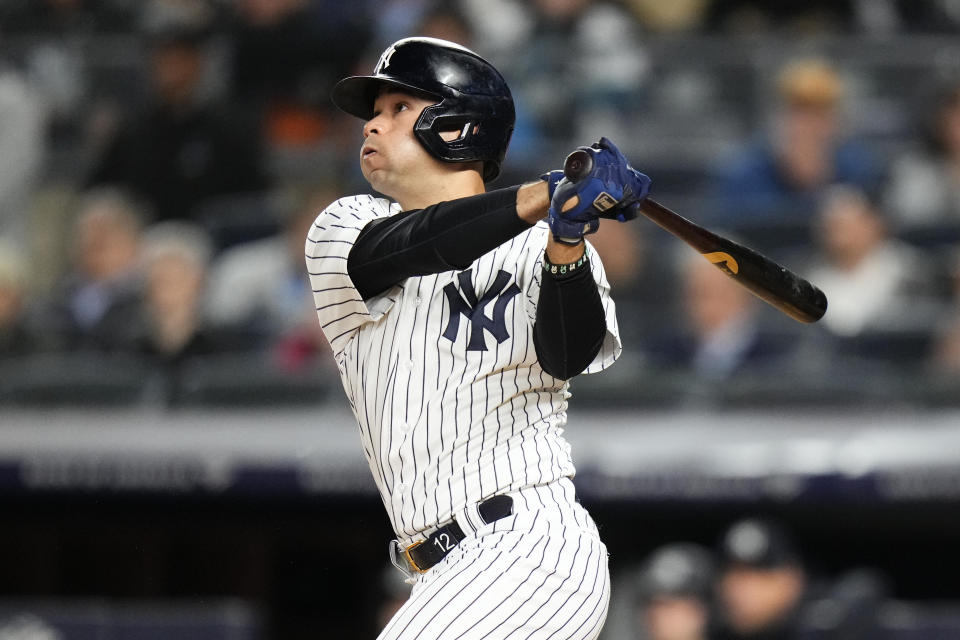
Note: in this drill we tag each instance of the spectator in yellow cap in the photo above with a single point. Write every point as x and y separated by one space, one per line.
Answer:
779 177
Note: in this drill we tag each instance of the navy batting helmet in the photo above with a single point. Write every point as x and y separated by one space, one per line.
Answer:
474 99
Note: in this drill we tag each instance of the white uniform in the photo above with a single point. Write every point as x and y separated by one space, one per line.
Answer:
453 408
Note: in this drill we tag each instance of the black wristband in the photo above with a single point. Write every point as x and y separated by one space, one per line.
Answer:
563 271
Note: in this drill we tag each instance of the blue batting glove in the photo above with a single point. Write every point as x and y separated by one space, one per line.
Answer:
610 189
567 230
624 211
610 182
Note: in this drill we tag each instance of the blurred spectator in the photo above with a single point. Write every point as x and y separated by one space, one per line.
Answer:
175 259
96 303
720 333
782 175
54 35
501 25
622 246
22 149
16 336
677 16
721 315
674 592
924 183
871 280
287 54
762 583
184 148
589 48
447 23
395 19
261 287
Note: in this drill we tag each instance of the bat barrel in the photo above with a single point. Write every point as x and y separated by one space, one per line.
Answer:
766 279
773 283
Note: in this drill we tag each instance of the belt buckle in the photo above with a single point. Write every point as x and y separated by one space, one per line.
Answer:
410 560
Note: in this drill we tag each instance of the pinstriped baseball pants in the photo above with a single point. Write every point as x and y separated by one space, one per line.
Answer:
539 574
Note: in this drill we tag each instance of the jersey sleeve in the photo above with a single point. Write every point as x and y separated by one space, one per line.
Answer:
341 309
611 348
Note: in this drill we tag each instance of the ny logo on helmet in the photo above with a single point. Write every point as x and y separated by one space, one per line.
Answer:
384 61
473 309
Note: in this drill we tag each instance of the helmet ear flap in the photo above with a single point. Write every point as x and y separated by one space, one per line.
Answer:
436 120
476 132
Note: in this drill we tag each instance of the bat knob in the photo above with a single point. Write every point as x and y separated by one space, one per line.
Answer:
577 165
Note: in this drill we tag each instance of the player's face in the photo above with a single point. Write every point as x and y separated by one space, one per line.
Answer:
391 158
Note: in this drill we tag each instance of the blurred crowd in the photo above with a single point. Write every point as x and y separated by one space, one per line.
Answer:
164 158
754 584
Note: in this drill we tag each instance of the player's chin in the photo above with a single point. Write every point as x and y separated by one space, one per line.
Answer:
378 179
370 173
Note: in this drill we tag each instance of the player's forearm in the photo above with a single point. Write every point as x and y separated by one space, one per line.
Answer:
533 200
570 324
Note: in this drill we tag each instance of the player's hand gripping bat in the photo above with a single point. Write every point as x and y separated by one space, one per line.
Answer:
766 279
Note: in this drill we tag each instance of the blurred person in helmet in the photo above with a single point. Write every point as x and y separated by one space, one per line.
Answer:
761 582
674 589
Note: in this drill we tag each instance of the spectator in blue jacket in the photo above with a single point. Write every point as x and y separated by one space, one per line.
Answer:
782 175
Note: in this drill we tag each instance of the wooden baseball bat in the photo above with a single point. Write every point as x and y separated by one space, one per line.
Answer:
769 281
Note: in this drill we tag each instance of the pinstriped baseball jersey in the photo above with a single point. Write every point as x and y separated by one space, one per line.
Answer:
441 371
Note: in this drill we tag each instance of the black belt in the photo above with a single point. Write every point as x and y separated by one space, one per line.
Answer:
424 554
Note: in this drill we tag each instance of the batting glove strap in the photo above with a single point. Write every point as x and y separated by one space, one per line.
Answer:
571 232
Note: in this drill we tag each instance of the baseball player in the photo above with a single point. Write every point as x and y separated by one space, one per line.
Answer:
456 317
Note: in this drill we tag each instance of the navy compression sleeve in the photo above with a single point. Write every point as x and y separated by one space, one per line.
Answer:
442 237
570 325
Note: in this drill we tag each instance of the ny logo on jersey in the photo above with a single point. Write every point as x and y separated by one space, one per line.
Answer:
472 309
